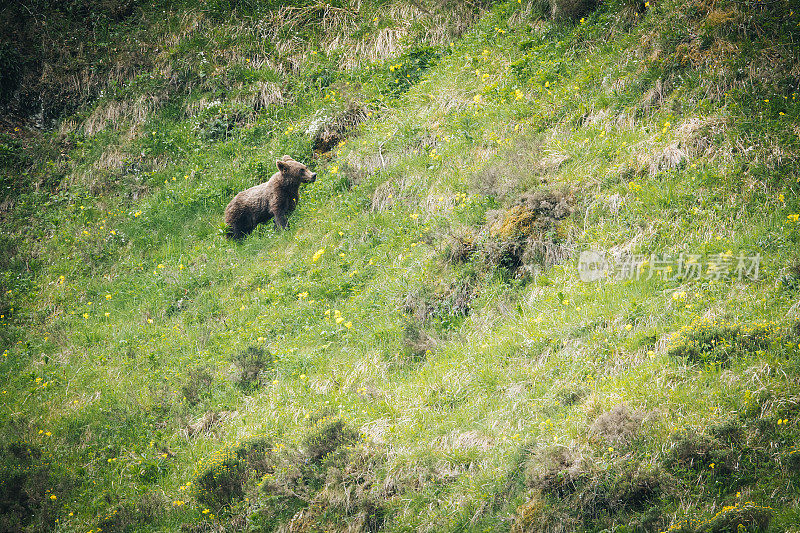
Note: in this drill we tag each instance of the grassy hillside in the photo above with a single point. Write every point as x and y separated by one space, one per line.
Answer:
422 350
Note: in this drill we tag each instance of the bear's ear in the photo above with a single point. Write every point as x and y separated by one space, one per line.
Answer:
287 158
281 164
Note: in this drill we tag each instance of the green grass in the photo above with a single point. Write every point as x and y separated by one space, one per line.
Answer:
355 369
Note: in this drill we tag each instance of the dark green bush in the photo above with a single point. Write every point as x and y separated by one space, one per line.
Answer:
11 64
323 484
251 365
198 382
221 479
29 477
328 435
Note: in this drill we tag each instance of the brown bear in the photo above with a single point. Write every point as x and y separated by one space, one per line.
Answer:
274 199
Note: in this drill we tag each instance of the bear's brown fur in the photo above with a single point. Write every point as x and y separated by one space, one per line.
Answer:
274 199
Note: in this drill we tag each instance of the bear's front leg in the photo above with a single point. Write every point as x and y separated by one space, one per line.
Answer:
280 220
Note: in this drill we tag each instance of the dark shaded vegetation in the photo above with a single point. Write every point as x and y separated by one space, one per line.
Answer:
55 54
328 479
225 478
748 455
251 367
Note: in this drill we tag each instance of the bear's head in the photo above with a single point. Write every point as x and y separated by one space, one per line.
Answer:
295 171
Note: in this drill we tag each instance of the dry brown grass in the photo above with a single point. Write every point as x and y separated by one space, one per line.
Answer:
462 440
557 469
193 108
269 93
116 113
654 97
696 135
669 158
389 193
112 158
205 423
617 426
338 24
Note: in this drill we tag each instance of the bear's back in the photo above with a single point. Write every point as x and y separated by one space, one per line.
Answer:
258 196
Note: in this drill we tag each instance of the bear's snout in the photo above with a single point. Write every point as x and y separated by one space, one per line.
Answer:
313 177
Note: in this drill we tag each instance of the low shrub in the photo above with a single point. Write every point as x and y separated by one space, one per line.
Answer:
126 516
718 342
528 235
619 425
328 435
731 455
407 69
789 281
198 382
328 129
250 367
571 9
330 480
429 311
31 483
568 488
442 304
221 479
556 471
